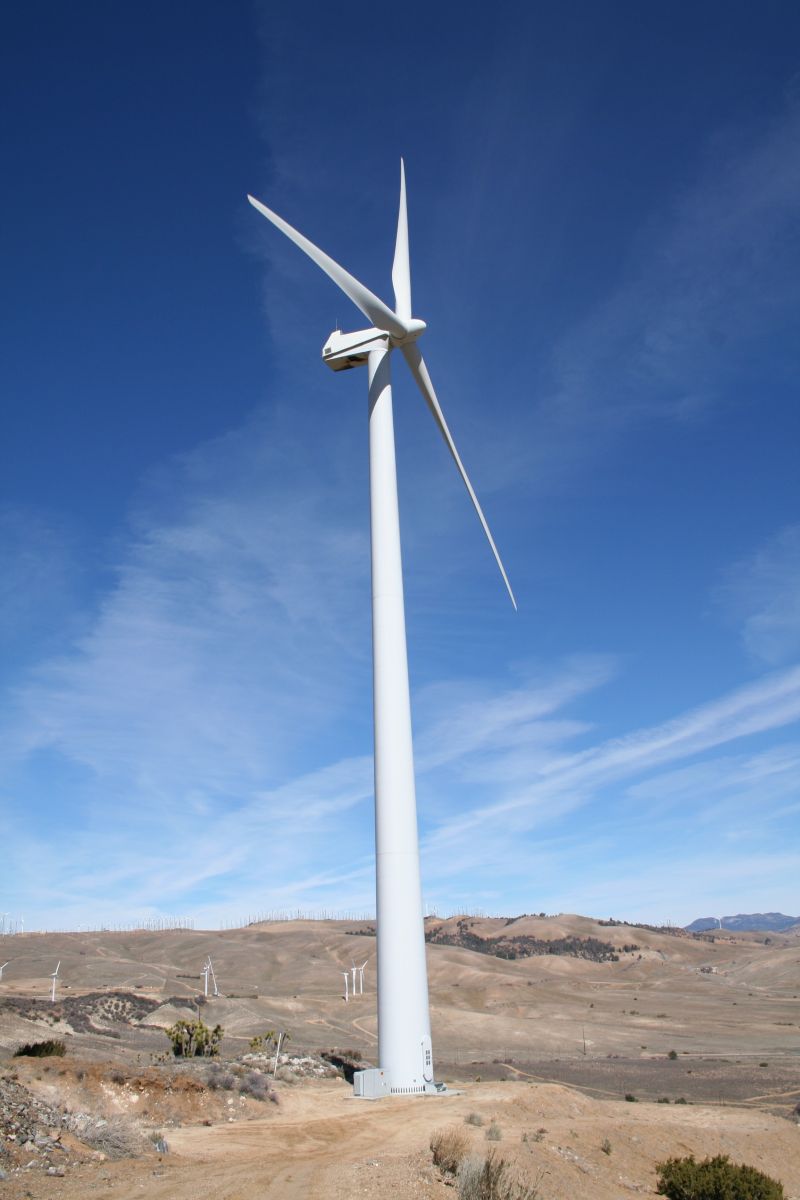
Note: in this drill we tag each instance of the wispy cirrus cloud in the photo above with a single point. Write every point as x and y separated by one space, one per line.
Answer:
762 595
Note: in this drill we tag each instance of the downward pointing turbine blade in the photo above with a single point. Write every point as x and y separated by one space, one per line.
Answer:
373 308
420 373
401 267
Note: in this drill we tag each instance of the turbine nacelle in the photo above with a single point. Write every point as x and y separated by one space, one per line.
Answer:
343 351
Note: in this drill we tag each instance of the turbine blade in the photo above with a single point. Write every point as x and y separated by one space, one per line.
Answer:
373 309
401 267
420 372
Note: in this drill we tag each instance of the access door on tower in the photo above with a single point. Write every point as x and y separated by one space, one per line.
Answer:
427 1060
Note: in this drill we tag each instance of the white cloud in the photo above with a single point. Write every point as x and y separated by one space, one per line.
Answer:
762 594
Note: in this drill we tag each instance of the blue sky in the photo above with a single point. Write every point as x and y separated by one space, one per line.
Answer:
605 244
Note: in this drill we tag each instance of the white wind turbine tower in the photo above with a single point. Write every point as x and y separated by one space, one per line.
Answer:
2 968
361 977
208 971
404 1038
54 977
346 986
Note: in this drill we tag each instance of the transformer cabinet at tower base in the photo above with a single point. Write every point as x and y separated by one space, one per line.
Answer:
371 1084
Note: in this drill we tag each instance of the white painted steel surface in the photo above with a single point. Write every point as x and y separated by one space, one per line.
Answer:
403 1019
404 1041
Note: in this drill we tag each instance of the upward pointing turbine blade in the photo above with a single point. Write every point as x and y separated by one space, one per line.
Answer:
401 267
371 306
420 372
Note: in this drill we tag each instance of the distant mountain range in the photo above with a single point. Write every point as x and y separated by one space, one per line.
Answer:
744 922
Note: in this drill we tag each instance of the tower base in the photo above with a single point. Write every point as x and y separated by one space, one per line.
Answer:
374 1084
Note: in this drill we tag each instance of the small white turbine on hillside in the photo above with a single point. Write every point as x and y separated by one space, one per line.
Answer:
54 977
208 972
361 977
404 1034
346 986
2 968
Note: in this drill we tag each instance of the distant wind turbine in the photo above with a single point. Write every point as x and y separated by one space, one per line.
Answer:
346 986
54 977
361 977
2 968
404 1036
208 971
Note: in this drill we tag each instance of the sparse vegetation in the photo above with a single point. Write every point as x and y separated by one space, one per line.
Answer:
449 1147
605 1146
492 1179
473 1118
261 1043
715 1179
629 1096
194 1039
522 946
257 1085
116 1138
494 1133
220 1079
673 1054
54 1048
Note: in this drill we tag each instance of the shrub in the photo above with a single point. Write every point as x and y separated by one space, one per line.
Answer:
449 1147
116 1138
220 1079
473 1118
629 1096
605 1146
160 1143
262 1042
54 1048
673 1054
491 1179
494 1133
258 1086
714 1179
193 1039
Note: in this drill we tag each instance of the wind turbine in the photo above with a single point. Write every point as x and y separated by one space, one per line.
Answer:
404 1037
346 986
361 977
2 968
54 977
207 971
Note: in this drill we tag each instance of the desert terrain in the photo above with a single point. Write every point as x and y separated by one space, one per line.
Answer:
700 1032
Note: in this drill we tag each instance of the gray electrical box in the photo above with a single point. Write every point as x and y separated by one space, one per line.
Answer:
371 1084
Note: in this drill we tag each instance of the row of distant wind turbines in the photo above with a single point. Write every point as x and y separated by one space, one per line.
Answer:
210 979
357 988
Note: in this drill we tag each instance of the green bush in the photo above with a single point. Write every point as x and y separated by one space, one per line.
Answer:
673 1054
55 1048
193 1039
714 1179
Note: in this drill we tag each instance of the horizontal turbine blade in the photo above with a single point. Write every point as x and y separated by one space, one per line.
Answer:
420 372
373 309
